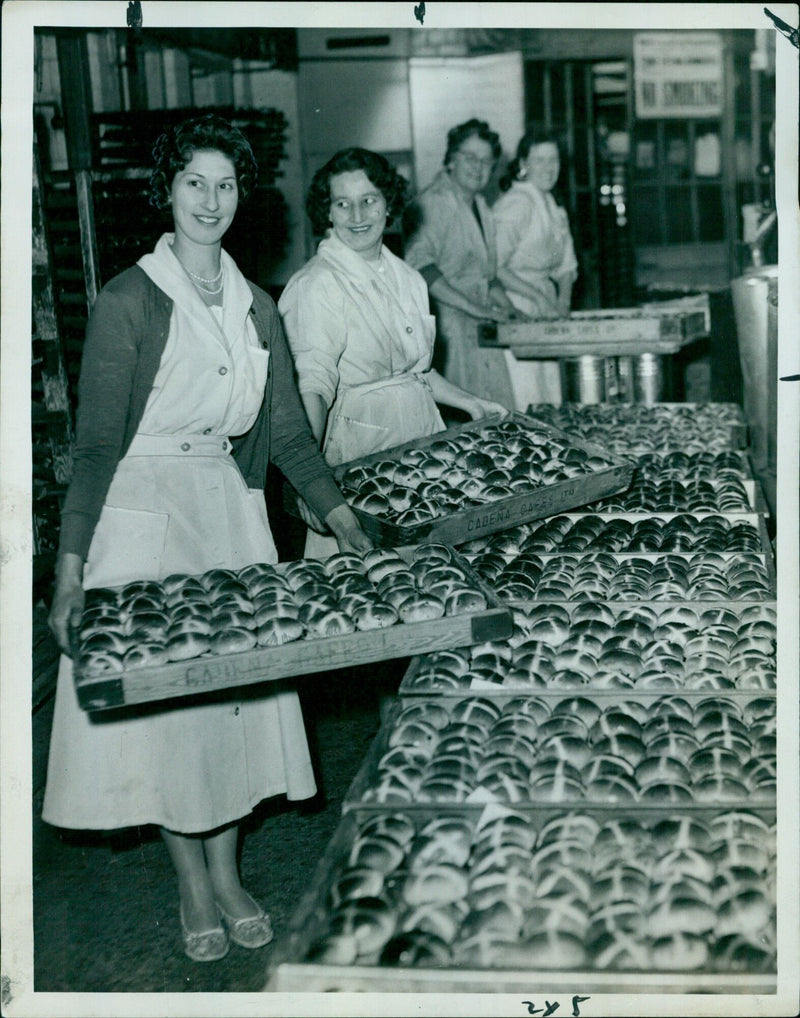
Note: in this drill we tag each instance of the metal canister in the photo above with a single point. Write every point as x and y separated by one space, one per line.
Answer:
648 378
583 379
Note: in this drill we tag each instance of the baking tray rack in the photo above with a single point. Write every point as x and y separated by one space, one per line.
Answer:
498 514
289 972
305 656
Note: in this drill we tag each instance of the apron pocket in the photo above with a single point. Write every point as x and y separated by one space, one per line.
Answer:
128 544
350 439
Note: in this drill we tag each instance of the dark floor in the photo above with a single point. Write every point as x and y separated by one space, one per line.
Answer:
106 909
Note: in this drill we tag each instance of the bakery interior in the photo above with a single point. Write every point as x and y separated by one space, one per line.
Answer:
674 222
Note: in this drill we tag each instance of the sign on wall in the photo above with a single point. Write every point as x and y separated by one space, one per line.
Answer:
677 74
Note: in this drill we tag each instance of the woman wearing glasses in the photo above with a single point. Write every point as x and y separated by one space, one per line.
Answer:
450 239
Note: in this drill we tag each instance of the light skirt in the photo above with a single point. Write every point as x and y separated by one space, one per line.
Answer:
189 767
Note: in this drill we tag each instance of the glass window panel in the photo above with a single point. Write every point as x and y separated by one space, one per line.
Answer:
580 100
677 152
581 157
645 216
645 150
534 90
741 81
679 215
711 215
581 223
557 91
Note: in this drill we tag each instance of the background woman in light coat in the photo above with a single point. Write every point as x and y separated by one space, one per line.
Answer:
358 323
450 239
535 256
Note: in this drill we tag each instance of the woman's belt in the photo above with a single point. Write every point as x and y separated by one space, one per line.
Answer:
383 383
180 445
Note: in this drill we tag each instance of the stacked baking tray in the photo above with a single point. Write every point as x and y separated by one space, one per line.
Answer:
589 802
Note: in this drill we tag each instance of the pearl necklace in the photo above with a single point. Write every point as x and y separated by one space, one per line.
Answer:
202 279
214 290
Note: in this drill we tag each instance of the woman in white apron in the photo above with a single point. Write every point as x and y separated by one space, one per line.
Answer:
450 239
358 323
181 354
535 257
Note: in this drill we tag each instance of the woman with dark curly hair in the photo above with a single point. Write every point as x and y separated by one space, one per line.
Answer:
186 391
358 324
450 239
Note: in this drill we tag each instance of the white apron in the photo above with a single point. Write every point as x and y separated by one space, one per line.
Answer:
178 503
534 241
362 338
368 418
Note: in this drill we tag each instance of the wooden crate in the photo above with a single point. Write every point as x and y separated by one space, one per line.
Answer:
289 971
457 527
302 657
618 332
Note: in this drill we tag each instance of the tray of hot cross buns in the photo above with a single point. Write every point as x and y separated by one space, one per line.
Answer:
474 479
152 640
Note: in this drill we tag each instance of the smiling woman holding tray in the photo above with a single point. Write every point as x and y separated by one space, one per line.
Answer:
181 353
359 326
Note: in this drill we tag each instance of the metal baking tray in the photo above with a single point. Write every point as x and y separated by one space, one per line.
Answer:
498 514
302 657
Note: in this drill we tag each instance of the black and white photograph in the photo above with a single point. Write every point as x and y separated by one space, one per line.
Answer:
448 663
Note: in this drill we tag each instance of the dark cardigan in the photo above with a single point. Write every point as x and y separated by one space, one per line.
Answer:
125 339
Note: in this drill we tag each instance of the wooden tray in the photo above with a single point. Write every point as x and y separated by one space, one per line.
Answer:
457 527
756 520
288 971
302 657
765 561
625 332
609 416
407 688
367 776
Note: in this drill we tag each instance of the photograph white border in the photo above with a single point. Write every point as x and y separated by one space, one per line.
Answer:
20 18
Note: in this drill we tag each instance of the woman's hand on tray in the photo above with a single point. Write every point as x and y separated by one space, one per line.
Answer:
68 600
485 408
345 527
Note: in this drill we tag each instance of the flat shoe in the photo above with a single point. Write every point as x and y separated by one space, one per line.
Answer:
210 945
252 931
